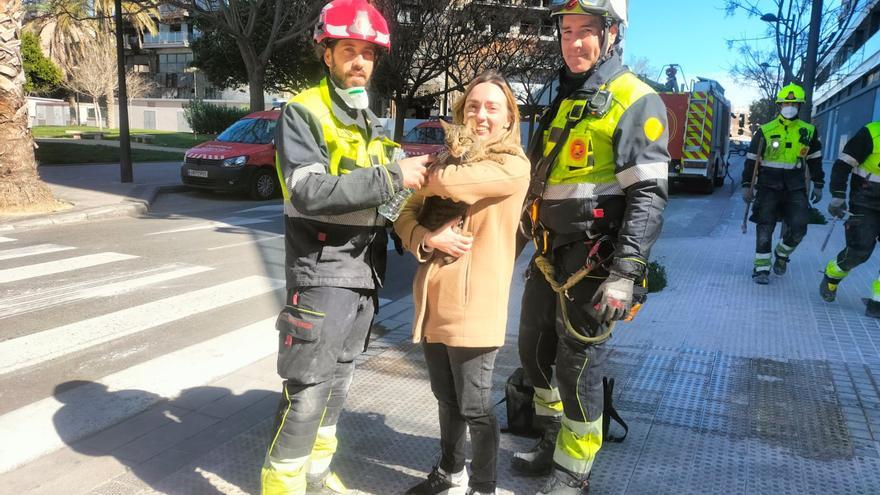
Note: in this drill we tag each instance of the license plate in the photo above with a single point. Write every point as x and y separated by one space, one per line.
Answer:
197 173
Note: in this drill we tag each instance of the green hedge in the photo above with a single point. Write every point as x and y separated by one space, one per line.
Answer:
206 118
656 277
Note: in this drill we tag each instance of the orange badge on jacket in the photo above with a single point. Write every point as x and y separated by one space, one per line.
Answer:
577 149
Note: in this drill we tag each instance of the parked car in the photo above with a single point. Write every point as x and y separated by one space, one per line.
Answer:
423 139
240 159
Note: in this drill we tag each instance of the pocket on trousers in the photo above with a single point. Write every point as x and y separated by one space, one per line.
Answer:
299 345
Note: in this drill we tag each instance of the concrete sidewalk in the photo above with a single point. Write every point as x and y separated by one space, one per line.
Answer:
95 191
112 143
728 387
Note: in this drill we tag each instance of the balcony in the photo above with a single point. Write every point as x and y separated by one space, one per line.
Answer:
172 12
851 68
167 39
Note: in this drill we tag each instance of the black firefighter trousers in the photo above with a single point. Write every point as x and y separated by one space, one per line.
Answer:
772 205
321 331
544 341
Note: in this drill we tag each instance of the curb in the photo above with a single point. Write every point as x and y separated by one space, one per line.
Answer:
137 205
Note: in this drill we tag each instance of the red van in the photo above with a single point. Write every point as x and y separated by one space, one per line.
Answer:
241 158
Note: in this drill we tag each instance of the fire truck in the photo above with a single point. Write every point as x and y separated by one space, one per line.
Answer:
699 130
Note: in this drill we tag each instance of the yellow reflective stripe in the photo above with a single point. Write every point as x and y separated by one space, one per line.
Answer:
833 270
577 445
547 402
578 441
283 476
323 449
316 313
390 180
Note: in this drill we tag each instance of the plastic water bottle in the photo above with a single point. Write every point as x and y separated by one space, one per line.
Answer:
391 209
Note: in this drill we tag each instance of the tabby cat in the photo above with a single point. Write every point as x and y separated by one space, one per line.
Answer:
463 147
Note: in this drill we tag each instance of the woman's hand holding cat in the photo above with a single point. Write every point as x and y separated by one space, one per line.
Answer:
415 170
449 241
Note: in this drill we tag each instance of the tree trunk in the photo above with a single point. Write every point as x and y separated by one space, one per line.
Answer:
99 118
112 116
19 183
73 109
256 80
401 105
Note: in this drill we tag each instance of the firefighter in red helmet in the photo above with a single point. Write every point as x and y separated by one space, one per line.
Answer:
335 167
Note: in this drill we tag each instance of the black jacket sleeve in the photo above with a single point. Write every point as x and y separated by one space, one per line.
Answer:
814 161
642 165
304 162
854 153
752 157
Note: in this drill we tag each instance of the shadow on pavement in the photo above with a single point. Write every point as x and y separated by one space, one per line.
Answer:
168 439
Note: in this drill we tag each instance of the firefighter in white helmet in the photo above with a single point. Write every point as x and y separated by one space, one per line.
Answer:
598 191
335 167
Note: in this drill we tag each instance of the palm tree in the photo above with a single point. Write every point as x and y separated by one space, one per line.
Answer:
63 26
19 183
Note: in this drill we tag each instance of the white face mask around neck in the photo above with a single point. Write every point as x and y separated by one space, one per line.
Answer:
356 98
789 112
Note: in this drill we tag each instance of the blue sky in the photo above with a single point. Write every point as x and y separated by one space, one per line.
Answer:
693 34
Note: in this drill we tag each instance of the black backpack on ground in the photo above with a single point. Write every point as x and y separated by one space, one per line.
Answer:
518 394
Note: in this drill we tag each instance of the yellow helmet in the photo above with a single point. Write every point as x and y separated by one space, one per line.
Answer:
613 10
791 93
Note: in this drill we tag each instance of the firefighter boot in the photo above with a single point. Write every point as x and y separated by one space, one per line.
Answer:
539 460
872 308
780 265
761 277
326 483
828 288
562 483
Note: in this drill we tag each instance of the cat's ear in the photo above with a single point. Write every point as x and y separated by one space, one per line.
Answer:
445 125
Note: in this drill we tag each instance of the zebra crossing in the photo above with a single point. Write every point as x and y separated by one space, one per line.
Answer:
38 278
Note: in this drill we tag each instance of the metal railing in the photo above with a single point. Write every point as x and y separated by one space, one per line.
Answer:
168 38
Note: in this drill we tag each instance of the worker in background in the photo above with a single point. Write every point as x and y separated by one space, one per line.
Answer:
791 156
598 191
336 167
861 158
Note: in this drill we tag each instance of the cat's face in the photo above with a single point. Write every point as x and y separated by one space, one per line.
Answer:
459 139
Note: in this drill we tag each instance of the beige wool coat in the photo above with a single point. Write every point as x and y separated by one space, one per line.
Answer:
464 303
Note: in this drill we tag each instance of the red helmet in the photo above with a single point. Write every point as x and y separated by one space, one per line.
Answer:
353 20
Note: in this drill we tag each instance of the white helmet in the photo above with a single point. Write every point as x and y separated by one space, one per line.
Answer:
612 10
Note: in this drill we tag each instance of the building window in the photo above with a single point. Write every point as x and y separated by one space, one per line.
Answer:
174 62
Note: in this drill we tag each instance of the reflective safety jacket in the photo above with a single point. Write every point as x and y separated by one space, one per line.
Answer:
789 145
861 158
336 168
610 175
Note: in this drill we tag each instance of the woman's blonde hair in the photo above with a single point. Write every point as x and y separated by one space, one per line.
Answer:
494 77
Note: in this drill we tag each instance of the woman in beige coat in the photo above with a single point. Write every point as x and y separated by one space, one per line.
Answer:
461 307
